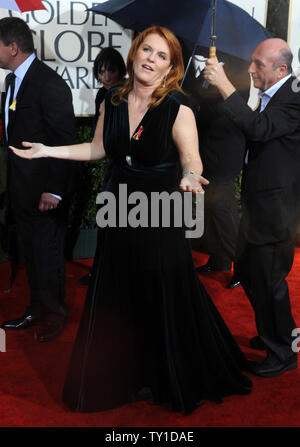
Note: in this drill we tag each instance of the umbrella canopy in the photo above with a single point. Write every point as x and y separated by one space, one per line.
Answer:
237 32
22 5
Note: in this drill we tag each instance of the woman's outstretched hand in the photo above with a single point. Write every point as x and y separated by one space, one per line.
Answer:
37 150
193 183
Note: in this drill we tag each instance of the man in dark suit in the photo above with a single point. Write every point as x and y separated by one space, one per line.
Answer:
222 147
270 192
37 106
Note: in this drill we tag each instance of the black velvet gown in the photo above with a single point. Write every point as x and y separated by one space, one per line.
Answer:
149 327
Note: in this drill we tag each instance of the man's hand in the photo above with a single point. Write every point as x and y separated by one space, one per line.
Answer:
48 202
214 73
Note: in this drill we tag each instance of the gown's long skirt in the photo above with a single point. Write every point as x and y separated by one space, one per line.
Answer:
148 324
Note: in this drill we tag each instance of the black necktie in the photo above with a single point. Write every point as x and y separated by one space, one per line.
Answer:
11 83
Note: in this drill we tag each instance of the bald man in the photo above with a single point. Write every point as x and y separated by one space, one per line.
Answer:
270 194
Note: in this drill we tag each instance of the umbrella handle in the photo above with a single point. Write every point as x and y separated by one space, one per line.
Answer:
212 52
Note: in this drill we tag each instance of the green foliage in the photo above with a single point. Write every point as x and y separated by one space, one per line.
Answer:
96 172
83 131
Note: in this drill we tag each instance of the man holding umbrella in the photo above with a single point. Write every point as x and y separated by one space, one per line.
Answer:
270 192
222 148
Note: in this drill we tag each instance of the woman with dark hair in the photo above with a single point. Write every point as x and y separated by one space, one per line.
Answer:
149 327
109 69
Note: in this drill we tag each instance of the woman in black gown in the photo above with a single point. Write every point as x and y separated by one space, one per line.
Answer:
148 325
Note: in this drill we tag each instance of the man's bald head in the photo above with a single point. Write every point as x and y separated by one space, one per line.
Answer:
271 61
279 50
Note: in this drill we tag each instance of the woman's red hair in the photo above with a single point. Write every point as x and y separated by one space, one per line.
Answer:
175 74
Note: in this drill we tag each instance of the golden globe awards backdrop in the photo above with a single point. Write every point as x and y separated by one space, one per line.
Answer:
256 8
68 38
294 33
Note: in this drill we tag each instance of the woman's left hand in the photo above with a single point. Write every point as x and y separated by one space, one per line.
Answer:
193 183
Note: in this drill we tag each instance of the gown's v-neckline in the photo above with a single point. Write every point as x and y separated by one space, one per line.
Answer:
139 124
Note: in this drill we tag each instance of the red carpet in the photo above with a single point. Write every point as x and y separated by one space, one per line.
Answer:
32 374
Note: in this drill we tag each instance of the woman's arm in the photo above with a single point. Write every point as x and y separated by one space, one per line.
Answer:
78 152
185 136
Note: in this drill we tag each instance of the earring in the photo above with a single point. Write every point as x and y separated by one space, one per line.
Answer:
164 83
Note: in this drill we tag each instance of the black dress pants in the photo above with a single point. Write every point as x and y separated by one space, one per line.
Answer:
262 270
42 235
221 223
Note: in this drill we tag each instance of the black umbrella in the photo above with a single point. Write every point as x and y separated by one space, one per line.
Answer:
237 32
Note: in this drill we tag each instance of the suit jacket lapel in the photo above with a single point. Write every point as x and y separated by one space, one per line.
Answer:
27 76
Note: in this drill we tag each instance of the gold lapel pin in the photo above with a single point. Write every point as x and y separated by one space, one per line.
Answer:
13 105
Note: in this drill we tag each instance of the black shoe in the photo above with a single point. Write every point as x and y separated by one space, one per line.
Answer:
208 268
257 343
273 367
24 322
234 282
85 280
50 330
